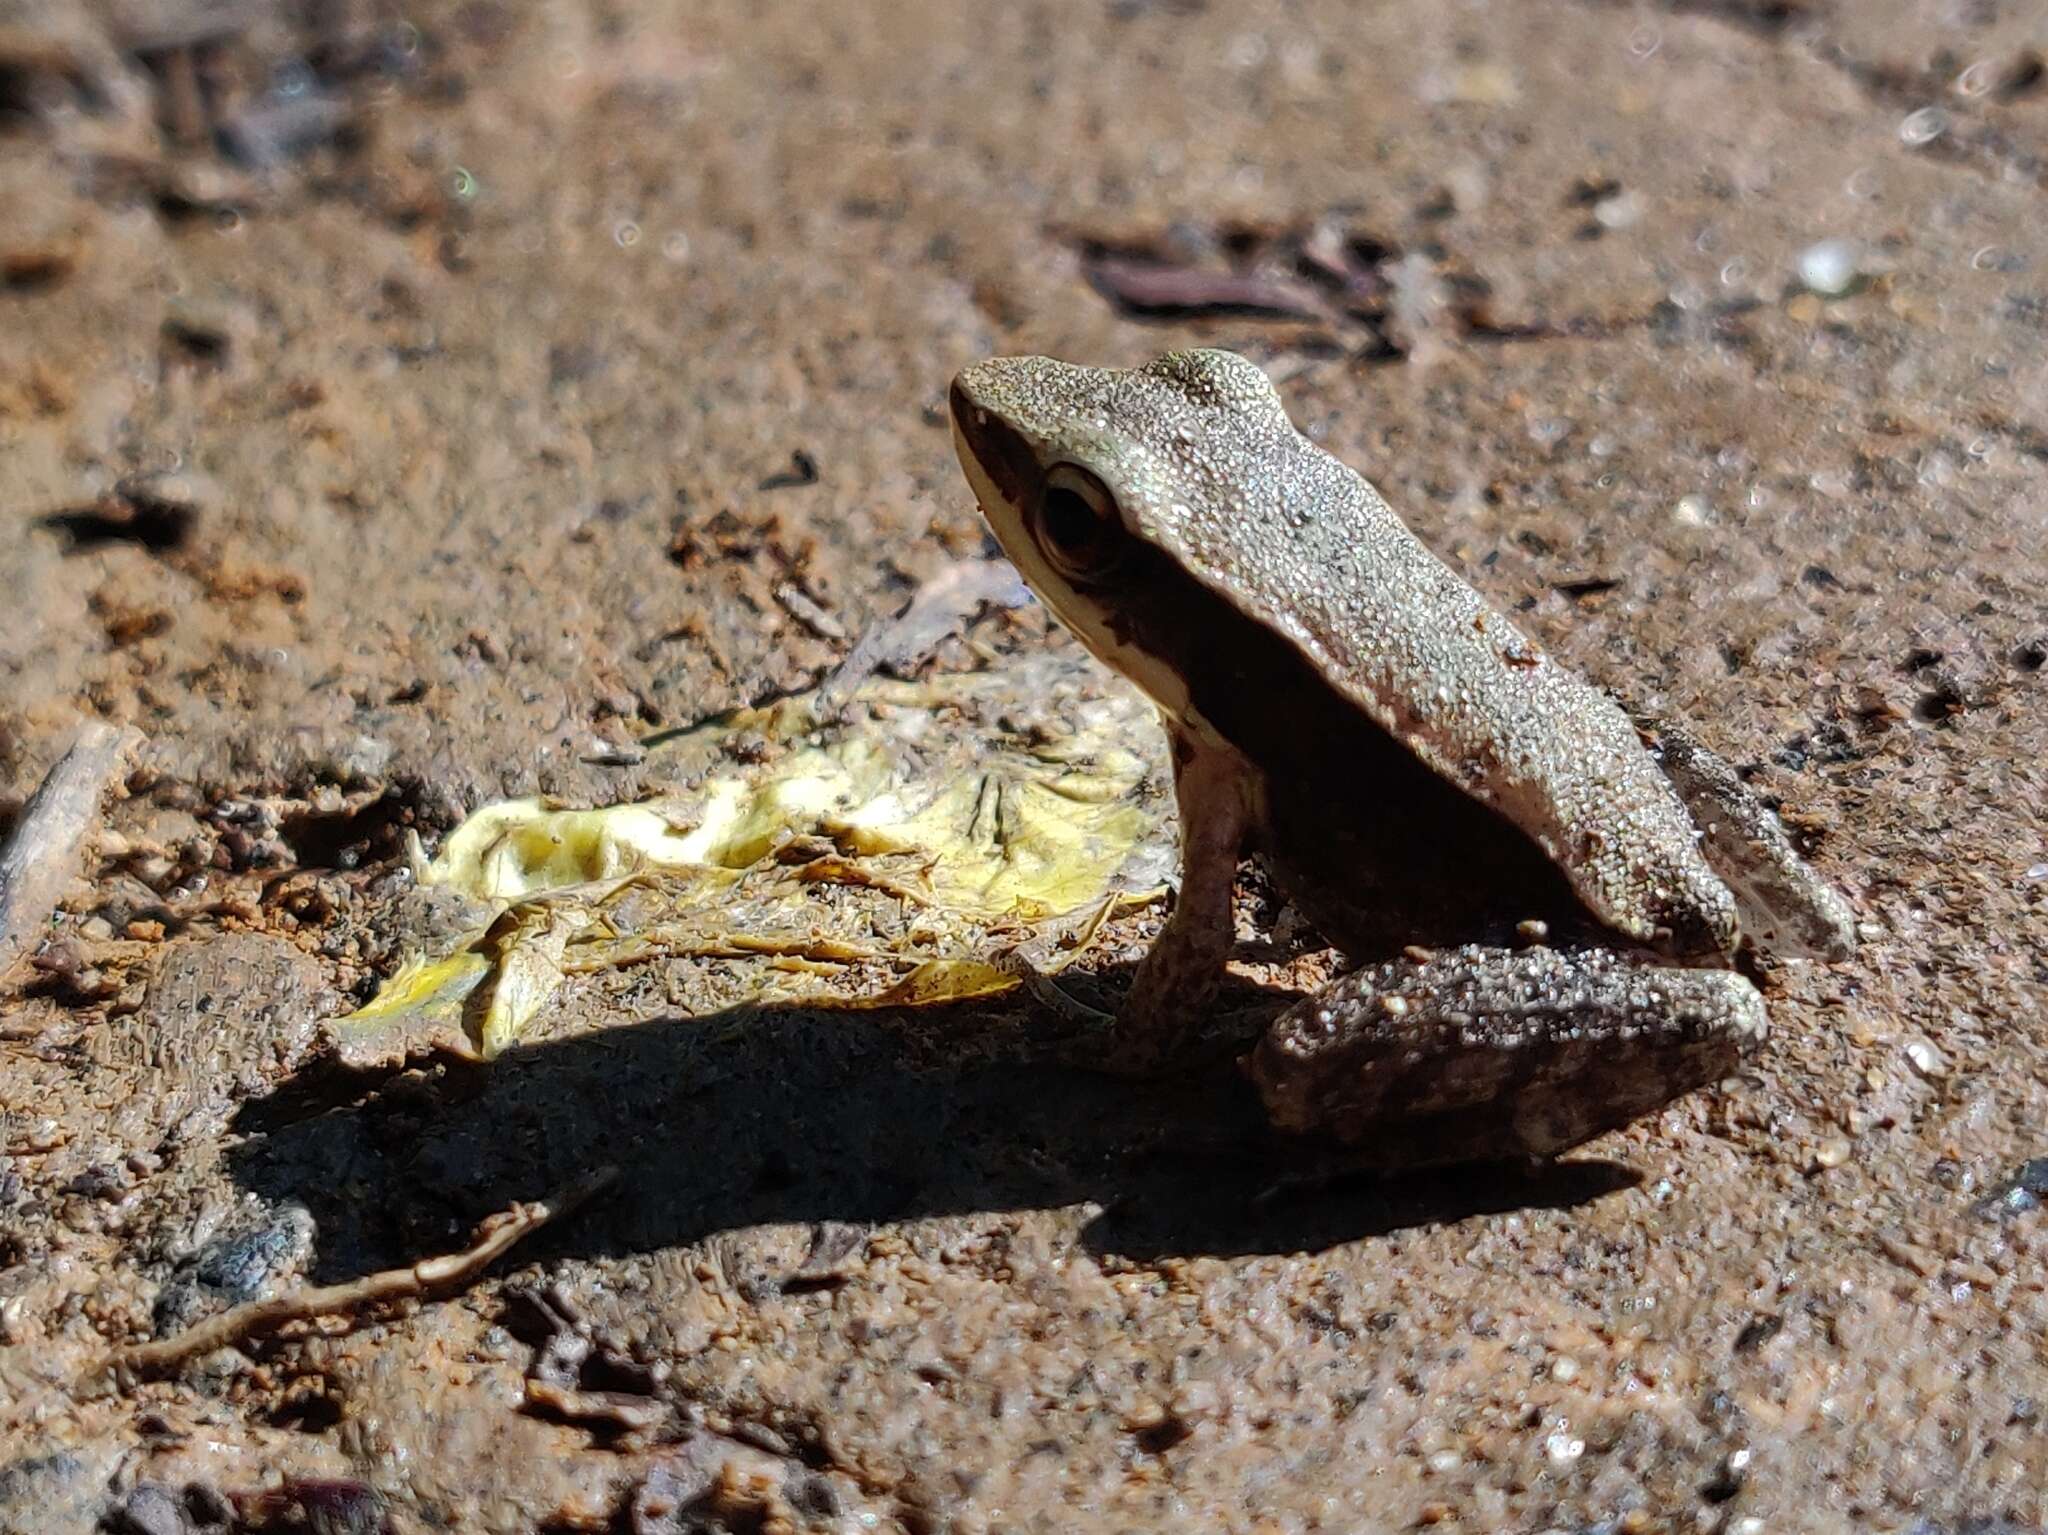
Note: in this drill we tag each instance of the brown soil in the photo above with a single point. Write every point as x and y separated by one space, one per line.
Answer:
406 407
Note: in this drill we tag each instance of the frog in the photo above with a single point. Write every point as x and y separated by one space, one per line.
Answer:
1550 899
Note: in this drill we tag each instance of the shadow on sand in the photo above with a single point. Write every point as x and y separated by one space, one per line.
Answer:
791 1115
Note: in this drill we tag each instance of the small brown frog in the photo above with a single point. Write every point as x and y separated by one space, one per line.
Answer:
1429 787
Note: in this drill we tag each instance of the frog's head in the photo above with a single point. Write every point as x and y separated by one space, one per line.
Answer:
1090 476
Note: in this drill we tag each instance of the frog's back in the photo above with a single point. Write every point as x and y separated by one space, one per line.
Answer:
1303 544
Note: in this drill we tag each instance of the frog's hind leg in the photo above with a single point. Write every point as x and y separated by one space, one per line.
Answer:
1785 908
1481 1054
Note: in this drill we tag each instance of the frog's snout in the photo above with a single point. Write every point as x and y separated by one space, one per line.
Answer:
994 453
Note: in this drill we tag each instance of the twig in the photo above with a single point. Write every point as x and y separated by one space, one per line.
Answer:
939 607
450 1271
42 854
1153 287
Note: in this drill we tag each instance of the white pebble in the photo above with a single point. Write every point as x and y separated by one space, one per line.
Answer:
1925 1059
1618 211
1830 267
1923 127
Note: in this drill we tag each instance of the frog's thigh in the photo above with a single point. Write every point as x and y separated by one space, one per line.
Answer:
1182 971
1480 1053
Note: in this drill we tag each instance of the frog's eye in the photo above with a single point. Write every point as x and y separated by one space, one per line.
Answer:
1076 525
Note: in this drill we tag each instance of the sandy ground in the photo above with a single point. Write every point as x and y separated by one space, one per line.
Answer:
401 408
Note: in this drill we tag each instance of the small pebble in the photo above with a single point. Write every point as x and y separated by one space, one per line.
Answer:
1833 1152
2021 1194
1923 127
1925 1059
1830 268
150 1509
2001 76
1564 1369
1619 211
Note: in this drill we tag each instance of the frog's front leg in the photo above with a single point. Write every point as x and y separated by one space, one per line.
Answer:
1480 1054
1181 974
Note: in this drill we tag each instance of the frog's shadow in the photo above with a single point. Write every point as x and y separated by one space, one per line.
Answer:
809 1115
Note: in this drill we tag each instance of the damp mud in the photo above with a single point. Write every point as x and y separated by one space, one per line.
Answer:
409 411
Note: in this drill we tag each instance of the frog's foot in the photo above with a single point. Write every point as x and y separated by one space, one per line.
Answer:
1176 986
1141 1042
1158 1028
1784 907
1484 1054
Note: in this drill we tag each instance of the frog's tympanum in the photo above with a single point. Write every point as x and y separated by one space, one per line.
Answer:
1433 791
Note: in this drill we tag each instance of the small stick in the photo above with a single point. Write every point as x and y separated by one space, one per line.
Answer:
450 1271
42 854
939 607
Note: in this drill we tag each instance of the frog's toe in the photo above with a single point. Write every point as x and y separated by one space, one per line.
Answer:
1784 907
1480 1054
1150 1035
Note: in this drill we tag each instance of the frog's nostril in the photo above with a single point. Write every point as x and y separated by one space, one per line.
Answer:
994 445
